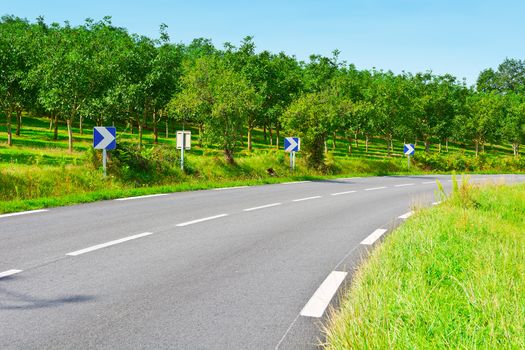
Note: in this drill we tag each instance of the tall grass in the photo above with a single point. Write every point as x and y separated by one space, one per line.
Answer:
453 277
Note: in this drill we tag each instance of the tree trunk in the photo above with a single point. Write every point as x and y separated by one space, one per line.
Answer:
265 137
167 130
477 147
277 132
201 134
334 145
140 136
483 148
9 132
350 143
271 136
439 147
446 145
80 125
325 147
366 143
50 123
427 145
70 136
155 133
55 130
228 156
250 138
18 121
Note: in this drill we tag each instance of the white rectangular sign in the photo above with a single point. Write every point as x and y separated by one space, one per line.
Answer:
184 139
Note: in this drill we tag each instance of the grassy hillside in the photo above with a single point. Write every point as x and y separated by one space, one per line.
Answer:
38 171
452 277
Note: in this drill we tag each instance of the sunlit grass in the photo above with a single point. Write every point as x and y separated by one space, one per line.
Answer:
452 277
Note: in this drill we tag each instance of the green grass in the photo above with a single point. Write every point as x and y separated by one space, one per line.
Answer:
452 277
37 168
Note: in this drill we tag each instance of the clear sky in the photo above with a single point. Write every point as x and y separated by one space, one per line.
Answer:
460 37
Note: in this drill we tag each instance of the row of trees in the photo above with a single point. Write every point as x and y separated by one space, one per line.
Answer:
103 73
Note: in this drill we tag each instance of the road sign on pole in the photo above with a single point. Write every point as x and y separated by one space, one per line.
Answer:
184 139
409 150
292 144
104 138
183 143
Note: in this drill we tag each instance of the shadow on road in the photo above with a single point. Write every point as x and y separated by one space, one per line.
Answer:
19 301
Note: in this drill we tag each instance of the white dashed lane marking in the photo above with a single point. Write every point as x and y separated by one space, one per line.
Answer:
108 244
201 220
262 207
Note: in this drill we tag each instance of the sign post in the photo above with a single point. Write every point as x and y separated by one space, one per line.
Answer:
409 150
183 143
292 145
104 138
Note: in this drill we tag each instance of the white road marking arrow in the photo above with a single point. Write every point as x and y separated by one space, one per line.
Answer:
410 149
292 145
107 138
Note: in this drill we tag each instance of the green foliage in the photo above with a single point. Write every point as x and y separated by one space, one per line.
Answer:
153 165
309 118
210 87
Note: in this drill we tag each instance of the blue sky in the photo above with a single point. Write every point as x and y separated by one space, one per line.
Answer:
460 37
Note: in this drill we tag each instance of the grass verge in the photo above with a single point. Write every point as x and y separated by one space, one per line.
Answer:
452 277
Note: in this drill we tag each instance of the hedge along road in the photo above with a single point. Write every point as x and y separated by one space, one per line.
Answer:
250 267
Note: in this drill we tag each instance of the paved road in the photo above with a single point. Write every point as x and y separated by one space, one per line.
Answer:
221 269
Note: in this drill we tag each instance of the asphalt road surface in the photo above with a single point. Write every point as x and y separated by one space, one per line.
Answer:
240 268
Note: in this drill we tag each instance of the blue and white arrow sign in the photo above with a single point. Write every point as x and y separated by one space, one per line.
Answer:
104 137
292 144
409 149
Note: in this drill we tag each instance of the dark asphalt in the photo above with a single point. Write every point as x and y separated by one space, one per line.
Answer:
234 282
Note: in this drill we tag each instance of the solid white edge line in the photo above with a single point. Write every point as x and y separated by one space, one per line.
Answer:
403 185
340 193
108 244
406 215
318 303
229 188
374 236
23 213
294 182
201 220
436 203
428 182
140 197
375 188
9 273
262 207
305 199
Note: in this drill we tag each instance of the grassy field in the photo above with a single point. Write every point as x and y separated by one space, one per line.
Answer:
38 171
452 277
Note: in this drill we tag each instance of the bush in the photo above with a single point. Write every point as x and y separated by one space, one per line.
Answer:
151 165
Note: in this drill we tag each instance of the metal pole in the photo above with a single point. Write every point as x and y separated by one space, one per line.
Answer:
293 158
291 161
104 160
182 151
408 159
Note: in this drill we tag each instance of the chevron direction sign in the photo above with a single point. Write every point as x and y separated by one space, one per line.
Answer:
292 144
409 149
104 137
